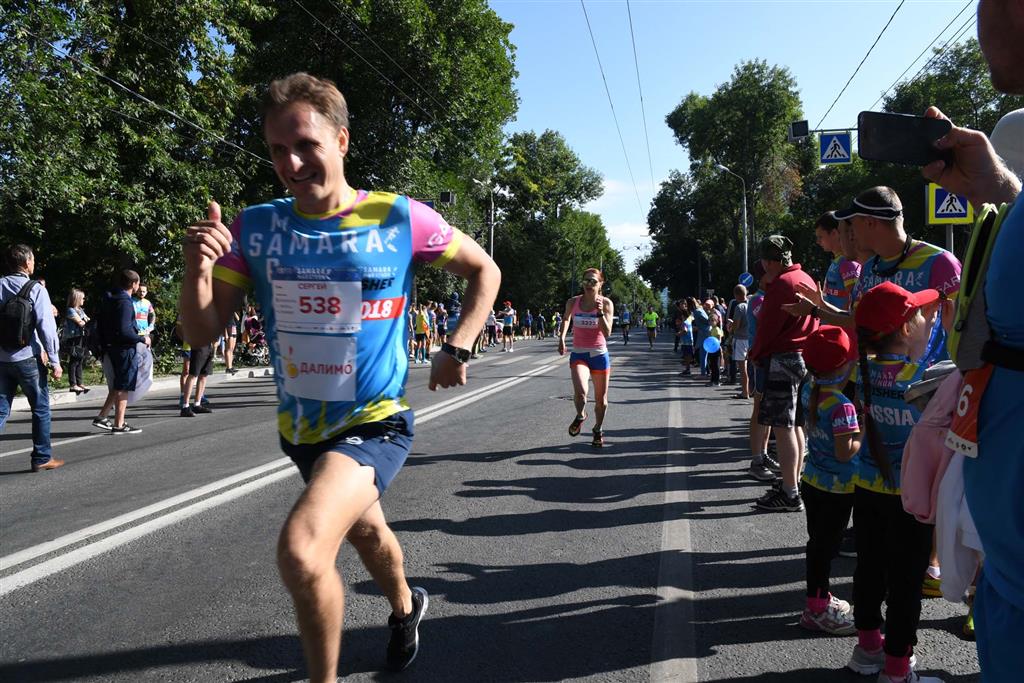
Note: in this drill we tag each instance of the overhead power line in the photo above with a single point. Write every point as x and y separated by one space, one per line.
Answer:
356 26
911 66
67 55
966 26
615 117
880 34
643 112
380 73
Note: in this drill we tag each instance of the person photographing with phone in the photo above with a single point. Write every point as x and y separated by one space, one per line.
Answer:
336 329
994 478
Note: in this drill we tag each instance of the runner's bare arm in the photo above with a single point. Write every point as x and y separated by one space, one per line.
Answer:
206 304
483 278
607 314
565 324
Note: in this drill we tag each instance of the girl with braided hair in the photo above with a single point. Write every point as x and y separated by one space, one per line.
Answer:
893 327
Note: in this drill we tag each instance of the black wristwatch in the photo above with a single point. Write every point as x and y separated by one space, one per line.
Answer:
461 356
815 312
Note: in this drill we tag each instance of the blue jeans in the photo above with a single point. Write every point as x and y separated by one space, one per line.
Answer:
30 375
698 341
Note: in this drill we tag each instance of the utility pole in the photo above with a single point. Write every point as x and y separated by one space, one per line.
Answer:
490 219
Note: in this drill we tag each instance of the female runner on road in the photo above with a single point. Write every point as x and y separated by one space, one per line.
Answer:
591 316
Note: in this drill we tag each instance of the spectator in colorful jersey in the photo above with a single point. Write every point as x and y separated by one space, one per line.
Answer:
993 481
145 314
777 349
332 268
876 216
843 272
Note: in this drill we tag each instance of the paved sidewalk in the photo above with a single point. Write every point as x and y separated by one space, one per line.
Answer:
99 391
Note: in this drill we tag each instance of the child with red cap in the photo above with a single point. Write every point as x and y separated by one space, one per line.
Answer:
826 486
893 326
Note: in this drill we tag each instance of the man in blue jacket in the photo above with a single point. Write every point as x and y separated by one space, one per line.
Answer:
119 334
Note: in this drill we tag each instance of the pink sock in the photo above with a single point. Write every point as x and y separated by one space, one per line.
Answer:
870 641
818 605
897 667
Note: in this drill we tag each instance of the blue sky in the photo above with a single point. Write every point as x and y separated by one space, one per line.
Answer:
685 46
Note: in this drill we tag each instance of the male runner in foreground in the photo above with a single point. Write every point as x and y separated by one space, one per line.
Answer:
332 268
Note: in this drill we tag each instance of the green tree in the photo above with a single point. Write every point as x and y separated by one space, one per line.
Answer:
94 177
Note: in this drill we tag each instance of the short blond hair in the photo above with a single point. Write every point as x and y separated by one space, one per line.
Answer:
320 93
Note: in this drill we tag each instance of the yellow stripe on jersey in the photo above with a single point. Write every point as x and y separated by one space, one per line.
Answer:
231 277
301 431
452 249
372 211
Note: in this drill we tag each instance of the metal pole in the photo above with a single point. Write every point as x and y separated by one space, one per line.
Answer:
492 222
746 260
949 237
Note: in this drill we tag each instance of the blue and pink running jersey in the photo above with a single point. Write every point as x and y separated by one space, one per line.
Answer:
926 267
333 289
842 275
837 416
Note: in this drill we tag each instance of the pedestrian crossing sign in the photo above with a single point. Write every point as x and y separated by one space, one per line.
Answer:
946 207
835 148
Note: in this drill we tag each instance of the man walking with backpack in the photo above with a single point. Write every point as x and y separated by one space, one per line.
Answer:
27 328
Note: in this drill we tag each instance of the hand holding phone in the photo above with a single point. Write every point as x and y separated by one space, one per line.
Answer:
973 169
901 138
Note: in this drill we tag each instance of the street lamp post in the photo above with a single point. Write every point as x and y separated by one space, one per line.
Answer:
490 219
746 262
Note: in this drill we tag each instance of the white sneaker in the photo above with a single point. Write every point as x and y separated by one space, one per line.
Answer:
869 663
831 621
839 605
912 677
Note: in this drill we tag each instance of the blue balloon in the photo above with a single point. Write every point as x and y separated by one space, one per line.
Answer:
711 344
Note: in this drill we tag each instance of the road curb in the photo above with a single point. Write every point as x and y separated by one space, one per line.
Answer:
99 391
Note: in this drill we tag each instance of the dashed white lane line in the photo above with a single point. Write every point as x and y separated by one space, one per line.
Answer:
674 634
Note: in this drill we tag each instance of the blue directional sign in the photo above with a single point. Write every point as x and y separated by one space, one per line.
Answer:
835 148
746 279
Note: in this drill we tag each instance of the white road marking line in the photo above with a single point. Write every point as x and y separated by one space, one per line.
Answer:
266 474
79 555
506 361
674 639
35 551
78 438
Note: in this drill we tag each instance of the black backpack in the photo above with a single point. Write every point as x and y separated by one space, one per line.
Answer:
18 319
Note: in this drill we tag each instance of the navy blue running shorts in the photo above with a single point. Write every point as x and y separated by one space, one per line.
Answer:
382 445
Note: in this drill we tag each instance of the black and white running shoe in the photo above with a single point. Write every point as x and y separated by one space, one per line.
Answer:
779 501
405 635
771 463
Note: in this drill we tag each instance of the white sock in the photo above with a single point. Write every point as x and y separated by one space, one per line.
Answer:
934 572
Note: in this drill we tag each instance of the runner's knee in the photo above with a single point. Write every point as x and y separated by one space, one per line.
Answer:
298 558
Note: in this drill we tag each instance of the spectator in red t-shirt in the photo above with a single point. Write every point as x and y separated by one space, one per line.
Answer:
777 350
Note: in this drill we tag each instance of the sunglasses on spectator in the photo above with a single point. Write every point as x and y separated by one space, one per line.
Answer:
589 281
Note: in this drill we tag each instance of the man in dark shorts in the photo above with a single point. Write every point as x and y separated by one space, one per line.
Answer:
119 335
199 368
777 350
335 328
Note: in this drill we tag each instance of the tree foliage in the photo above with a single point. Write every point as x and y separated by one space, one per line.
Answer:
743 126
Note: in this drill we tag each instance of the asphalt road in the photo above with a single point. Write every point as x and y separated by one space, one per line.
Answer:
150 557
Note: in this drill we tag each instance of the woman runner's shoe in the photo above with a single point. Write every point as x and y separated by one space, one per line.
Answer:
576 424
598 440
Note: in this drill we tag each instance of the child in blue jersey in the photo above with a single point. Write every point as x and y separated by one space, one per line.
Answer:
826 487
893 326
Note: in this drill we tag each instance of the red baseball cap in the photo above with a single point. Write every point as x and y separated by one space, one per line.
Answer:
508 303
885 307
827 349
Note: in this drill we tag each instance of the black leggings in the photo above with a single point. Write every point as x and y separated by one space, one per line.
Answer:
827 517
76 359
892 556
714 361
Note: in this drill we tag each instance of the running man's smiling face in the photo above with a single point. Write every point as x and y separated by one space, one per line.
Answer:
308 154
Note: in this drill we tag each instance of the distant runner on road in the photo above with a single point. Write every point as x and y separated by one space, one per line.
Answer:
651 323
591 315
332 268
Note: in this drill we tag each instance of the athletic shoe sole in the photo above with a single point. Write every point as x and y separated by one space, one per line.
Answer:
416 628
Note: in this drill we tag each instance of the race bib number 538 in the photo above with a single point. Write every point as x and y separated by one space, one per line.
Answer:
317 300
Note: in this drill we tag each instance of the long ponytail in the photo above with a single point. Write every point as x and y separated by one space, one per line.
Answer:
875 444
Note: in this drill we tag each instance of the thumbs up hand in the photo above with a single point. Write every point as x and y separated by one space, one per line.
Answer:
206 241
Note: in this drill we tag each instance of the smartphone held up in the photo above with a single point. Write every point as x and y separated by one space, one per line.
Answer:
900 138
